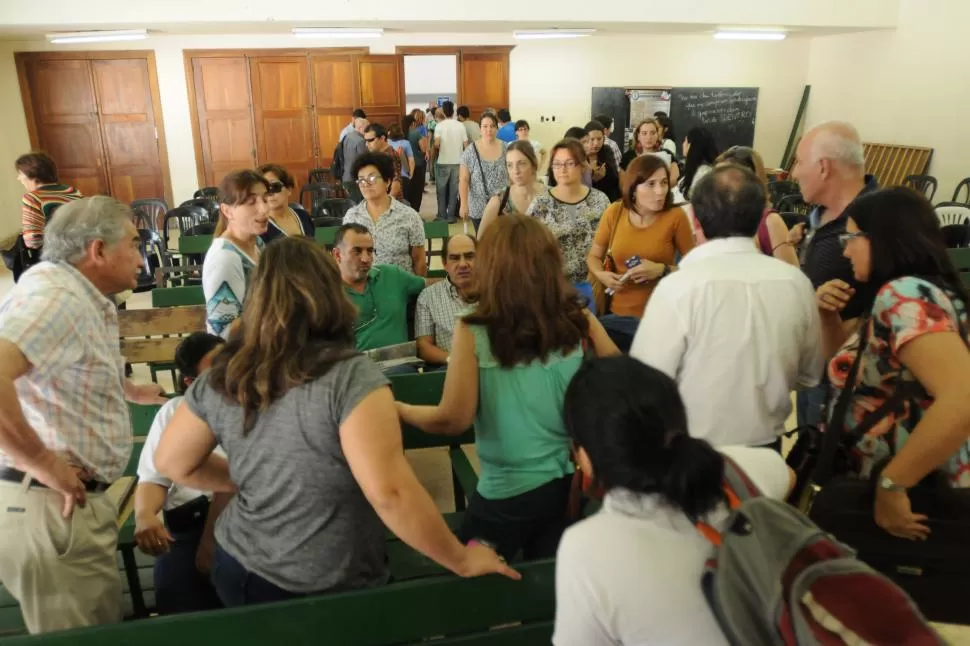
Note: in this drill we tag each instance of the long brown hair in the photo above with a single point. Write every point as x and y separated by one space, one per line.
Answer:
235 188
297 324
524 300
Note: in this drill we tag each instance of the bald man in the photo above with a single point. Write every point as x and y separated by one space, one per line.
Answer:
440 305
830 171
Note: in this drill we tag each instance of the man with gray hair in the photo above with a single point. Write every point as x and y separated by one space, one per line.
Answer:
65 433
353 146
830 171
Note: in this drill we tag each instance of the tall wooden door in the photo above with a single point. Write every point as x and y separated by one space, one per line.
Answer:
381 88
128 127
334 100
65 120
484 81
225 117
283 114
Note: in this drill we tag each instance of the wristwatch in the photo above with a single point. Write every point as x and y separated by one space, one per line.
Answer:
888 484
666 271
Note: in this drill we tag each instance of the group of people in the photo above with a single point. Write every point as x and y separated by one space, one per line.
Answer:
286 447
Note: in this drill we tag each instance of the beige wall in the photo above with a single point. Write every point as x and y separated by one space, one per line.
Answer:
907 86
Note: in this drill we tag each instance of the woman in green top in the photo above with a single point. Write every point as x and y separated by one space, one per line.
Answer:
512 358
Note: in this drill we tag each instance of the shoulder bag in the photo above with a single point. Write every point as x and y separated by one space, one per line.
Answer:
601 299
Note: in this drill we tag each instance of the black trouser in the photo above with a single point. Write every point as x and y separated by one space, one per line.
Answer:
416 187
532 521
179 585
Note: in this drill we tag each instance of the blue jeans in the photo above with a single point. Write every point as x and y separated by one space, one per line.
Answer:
237 586
179 586
809 404
447 186
621 329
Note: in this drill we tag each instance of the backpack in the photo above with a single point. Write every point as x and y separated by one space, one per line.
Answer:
775 578
337 165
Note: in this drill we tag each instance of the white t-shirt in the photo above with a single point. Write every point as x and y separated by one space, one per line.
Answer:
631 573
177 494
451 137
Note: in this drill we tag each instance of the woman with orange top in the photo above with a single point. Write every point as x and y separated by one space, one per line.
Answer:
643 225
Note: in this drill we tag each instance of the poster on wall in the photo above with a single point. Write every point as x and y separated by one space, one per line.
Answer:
643 104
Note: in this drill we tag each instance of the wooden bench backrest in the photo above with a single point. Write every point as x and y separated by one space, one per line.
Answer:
394 614
326 236
135 325
178 296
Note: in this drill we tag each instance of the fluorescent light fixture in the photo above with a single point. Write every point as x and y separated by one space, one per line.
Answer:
749 35
337 32
97 36
546 34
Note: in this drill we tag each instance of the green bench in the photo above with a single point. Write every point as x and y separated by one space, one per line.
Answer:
436 230
178 296
485 611
961 262
326 236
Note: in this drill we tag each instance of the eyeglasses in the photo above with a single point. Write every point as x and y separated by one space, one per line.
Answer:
368 180
275 187
567 165
846 238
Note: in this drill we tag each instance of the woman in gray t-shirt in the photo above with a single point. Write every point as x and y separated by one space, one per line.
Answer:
313 443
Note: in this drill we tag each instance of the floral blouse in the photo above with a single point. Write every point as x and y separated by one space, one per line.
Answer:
482 187
573 225
904 309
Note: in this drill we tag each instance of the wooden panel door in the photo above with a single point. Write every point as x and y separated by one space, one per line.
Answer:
484 81
128 128
334 100
224 109
283 114
65 117
381 88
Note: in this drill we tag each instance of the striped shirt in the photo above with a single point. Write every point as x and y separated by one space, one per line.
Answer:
38 206
73 394
437 313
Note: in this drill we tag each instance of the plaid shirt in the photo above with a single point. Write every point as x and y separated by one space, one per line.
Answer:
437 313
73 393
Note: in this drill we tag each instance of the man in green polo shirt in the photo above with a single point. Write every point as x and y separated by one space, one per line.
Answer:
380 293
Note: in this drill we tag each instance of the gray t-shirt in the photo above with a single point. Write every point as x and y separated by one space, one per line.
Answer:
299 520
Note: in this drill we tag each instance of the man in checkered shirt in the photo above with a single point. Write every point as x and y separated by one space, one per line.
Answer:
65 434
439 306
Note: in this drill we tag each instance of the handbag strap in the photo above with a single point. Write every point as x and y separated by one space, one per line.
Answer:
609 249
505 200
481 168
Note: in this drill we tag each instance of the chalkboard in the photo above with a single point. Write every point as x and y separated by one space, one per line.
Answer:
612 101
728 112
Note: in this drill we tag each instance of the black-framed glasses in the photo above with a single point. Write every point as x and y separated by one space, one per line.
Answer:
369 179
275 187
559 165
845 238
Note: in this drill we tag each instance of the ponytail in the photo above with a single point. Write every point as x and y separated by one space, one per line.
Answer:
693 477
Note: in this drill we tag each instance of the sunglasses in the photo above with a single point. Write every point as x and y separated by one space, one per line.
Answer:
846 238
371 140
275 187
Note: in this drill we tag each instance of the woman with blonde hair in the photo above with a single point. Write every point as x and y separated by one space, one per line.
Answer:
313 443
520 195
236 246
772 235
512 357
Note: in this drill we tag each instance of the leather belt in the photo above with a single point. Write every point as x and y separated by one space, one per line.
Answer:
9 474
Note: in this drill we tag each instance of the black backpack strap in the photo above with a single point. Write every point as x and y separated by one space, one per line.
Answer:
505 200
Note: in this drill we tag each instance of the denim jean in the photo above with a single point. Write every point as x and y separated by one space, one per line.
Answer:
447 187
237 586
621 329
179 586
809 404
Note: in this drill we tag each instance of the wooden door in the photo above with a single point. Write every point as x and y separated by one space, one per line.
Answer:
64 113
381 88
223 105
282 111
484 81
334 100
128 128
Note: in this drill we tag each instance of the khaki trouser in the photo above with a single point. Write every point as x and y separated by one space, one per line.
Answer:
63 572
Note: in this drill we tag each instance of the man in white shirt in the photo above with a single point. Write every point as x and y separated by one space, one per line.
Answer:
738 330
450 139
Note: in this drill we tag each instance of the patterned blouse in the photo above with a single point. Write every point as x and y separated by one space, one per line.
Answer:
226 274
573 225
481 188
905 309
395 233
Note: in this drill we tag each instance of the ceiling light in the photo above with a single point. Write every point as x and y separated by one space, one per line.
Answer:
750 35
336 32
97 36
545 34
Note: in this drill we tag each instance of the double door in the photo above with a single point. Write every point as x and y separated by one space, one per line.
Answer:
286 108
99 118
